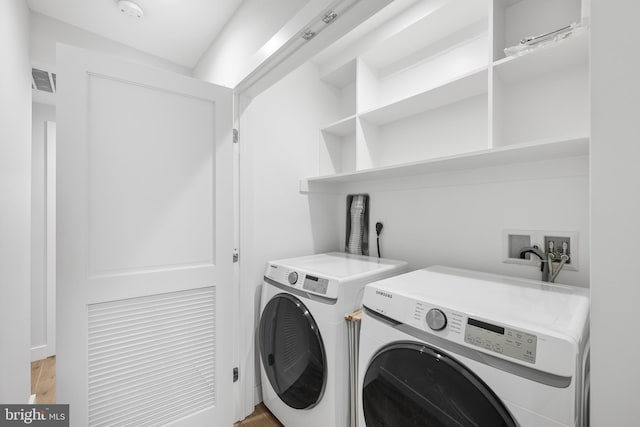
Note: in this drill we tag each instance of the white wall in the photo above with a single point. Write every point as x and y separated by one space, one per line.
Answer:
15 177
615 212
41 114
457 218
46 32
279 145
227 60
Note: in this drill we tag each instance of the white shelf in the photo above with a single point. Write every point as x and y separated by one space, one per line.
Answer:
569 52
466 86
511 154
342 127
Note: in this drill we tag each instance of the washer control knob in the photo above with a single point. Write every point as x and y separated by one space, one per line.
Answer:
293 277
436 319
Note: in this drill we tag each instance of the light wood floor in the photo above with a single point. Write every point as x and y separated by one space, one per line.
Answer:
43 380
261 417
43 385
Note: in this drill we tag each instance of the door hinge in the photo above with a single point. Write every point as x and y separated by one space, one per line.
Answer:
235 136
236 256
235 374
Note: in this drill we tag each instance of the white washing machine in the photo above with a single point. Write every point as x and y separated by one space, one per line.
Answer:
303 334
448 347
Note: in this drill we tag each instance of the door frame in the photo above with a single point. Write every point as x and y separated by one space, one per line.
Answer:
48 349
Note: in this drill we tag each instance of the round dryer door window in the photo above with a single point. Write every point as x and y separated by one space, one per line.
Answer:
411 384
292 352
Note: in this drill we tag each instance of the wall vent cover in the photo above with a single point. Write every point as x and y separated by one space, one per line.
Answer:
151 359
43 80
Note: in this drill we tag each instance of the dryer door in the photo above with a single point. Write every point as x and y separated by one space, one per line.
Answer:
292 352
412 384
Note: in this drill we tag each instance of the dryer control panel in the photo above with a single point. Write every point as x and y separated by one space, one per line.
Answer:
506 341
315 284
301 280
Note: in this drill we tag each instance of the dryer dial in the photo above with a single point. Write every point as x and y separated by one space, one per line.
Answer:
436 319
293 277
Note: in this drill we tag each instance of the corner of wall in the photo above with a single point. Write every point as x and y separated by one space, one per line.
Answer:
15 178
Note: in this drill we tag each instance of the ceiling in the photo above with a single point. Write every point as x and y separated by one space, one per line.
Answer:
176 30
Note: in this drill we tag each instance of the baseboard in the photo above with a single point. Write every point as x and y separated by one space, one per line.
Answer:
41 352
32 399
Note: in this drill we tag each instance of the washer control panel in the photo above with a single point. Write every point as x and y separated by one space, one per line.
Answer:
502 334
509 342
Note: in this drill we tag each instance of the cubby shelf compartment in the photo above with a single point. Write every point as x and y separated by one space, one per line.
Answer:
512 154
341 82
338 147
573 51
515 20
440 19
467 86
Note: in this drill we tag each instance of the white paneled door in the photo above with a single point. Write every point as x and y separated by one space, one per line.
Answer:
145 244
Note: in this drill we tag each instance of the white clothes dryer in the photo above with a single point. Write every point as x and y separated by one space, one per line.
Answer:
449 347
303 335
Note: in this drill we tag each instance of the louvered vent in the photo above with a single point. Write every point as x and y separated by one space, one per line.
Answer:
151 359
43 80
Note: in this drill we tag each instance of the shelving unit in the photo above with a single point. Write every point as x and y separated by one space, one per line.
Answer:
434 96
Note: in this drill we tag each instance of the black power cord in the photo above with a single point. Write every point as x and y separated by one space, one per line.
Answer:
378 231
